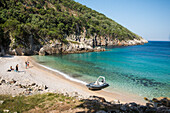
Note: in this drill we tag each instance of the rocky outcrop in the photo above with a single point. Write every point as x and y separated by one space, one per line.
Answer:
79 44
104 41
100 105
23 89
73 44
70 47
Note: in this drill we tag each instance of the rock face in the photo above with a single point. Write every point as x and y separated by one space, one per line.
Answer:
74 44
79 44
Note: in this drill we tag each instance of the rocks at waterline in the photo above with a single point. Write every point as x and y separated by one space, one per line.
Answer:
78 44
75 44
157 102
67 49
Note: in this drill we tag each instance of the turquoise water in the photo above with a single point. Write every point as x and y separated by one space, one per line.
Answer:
143 70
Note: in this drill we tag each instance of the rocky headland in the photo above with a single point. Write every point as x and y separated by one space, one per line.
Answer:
79 44
75 44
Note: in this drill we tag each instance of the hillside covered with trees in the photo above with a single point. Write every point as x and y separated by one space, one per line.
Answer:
47 20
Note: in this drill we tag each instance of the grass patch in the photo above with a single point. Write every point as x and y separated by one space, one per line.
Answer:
26 103
50 98
15 103
63 97
62 100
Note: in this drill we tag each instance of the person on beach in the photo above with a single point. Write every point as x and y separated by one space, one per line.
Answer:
26 65
17 68
9 70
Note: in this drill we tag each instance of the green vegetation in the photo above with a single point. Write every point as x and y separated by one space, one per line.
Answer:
46 20
43 102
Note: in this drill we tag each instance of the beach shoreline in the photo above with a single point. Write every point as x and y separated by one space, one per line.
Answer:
58 83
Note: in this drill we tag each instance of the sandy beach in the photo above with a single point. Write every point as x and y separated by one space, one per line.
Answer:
45 80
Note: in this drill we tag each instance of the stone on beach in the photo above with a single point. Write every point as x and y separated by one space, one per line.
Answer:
3 81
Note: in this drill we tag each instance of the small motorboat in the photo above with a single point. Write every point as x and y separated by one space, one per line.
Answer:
99 84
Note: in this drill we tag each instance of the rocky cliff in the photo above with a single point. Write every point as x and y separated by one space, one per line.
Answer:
75 44
78 44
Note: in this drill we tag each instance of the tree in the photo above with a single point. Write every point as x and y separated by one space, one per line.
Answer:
10 25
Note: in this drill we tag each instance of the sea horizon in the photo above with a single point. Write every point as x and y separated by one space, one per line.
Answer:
159 40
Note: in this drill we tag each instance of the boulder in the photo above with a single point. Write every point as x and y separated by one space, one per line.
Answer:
112 102
133 104
142 108
124 107
19 51
151 110
42 51
33 84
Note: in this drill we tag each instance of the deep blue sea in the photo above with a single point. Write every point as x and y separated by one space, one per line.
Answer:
143 70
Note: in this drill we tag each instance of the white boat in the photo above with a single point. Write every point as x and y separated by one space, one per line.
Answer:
99 84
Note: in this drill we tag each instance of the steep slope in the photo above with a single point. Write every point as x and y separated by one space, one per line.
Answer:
54 26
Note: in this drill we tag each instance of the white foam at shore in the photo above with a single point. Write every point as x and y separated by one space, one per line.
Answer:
63 74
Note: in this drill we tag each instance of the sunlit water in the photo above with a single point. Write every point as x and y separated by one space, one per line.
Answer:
143 69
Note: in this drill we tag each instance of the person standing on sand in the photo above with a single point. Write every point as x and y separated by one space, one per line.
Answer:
26 65
17 68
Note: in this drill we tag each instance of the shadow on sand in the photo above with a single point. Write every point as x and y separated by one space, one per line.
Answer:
95 89
7 56
21 71
30 67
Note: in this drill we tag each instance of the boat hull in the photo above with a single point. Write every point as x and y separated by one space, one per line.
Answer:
92 86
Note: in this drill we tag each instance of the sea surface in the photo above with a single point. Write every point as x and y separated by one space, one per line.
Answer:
143 70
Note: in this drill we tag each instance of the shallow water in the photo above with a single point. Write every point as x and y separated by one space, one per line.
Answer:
143 70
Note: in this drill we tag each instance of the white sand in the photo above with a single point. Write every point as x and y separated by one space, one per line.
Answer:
54 81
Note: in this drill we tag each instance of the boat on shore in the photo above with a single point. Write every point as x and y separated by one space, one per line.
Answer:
99 84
